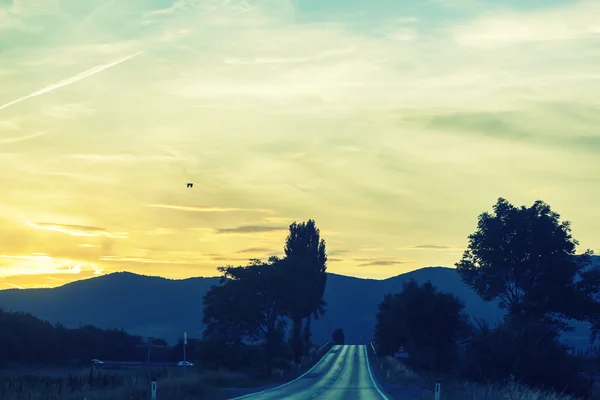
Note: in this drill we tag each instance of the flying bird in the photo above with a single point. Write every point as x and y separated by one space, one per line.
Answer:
190 185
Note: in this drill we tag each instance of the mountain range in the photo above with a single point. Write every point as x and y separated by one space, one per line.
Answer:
165 308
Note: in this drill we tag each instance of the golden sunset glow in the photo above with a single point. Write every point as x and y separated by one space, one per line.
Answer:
393 124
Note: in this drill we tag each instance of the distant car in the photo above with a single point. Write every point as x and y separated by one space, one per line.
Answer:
95 361
185 364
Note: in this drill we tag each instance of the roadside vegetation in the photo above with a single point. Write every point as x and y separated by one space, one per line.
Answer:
525 259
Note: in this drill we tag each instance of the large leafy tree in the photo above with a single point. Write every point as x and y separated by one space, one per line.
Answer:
525 258
305 266
429 325
247 307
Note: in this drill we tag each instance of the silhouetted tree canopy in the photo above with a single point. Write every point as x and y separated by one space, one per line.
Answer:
338 336
427 323
305 266
525 257
247 308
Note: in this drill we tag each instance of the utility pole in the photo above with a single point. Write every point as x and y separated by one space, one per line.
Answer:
149 350
184 344
184 355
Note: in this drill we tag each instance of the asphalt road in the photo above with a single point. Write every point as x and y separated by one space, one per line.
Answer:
342 374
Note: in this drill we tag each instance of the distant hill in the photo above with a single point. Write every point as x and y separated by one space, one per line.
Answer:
165 308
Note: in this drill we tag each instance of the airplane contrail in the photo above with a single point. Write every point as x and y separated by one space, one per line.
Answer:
76 78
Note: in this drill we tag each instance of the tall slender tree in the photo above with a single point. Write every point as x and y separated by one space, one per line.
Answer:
305 267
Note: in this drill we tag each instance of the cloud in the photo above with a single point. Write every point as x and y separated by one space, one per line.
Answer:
207 209
376 262
77 230
251 229
161 231
431 246
228 259
21 138
254 250
146 260
9 124
337 252
588 142
81 177
370 249
575 21
69 111
69 81
112 158
497 124
280 220
40 264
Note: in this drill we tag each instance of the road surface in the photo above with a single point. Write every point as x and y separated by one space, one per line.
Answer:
342 374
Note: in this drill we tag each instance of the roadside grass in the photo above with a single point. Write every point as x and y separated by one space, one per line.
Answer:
452 389
134 384
120 385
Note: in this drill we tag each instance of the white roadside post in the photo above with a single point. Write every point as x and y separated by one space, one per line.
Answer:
153 390
437 390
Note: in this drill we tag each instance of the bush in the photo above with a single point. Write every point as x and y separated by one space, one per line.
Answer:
527 350
338 336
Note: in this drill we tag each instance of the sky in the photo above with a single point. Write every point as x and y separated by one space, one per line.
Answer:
393 124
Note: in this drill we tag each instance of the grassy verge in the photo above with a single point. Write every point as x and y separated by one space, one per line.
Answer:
119 385
134 384
453 389
242 387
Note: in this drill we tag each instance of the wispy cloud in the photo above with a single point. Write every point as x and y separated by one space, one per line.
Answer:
207 209
16 139
251 229
565 23
161 231
254 250
432 249
77 230
81 177
69 81
33 264
146 260
377 262
69 111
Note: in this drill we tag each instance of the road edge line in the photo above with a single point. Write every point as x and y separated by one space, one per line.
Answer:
287 383
371 375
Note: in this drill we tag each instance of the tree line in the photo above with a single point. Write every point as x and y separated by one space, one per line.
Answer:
27 339
525 258
255 305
